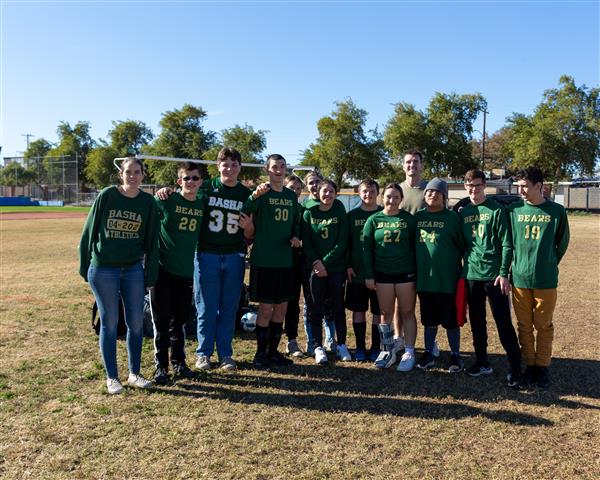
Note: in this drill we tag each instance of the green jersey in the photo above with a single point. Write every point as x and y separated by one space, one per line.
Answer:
180 225
119 232
277 221
221 232
325 236
309 202
413 198
439 248
357 218
540 236
389 243
487 239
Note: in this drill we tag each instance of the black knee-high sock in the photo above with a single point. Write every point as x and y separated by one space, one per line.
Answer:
275 330
262 339
360 332
375 341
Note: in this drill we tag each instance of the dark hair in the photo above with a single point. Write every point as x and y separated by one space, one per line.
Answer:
188 166
312 173
275 156
294 178
416 152
329 182
474 174
394 186
369 182
132 160
533 174
230 153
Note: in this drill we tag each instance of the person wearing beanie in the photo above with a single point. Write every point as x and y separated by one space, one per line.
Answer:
439 251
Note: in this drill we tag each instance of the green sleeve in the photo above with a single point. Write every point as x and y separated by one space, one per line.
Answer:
251 205
562 236
89 235
151 247
369 249
339 250
506 241
297 221
309 251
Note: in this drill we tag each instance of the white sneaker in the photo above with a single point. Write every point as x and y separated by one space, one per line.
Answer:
138 381
385 359
227 363
203 362
320 356
436 349
343 353
407 362
114 386
292 348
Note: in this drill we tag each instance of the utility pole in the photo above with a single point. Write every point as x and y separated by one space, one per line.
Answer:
483 142
27 135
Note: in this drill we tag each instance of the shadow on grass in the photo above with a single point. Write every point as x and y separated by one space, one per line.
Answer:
437 394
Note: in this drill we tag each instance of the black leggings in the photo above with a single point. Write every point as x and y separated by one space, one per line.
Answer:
328 301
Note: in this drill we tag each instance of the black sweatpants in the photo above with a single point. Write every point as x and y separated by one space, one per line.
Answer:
328 301
292 314
171 301
478 291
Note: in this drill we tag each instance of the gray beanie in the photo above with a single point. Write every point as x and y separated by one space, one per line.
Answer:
439 185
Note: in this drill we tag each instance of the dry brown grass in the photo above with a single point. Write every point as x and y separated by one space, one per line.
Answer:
345 421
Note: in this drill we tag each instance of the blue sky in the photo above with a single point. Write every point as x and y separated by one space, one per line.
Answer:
279 66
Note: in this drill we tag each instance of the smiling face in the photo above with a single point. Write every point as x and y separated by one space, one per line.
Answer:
412 165
391 200
189 180
435 200
368 195
327 194
476 190
276 171
229 170
131 174
530 192
312 184
296 186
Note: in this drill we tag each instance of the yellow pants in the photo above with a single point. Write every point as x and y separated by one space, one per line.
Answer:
534 309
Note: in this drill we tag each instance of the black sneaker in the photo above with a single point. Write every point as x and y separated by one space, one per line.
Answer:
543 378
478 369
530 375
277 359
261 361
183 371
514 380
456 364
160 376
426 361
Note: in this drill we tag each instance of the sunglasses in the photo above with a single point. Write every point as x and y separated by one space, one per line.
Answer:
195 178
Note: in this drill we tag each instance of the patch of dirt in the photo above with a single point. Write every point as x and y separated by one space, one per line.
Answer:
40 215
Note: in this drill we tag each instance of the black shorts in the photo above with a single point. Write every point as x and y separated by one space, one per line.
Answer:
438 309
381 277
358 297
271 285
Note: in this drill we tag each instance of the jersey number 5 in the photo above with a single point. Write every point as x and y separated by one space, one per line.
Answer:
216 223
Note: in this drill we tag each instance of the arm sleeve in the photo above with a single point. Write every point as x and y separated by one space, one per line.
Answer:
562 236
151 247
309 251
297 212
339 250
369 249
89 235
251 205
350 243
505 240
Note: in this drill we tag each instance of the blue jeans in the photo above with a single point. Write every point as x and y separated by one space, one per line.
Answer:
217 286
109 284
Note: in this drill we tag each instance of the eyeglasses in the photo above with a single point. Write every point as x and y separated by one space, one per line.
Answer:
195 178
475 186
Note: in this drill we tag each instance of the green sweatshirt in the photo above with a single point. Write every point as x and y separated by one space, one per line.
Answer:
277 221
540 235
309 202
221 233
439 248
119 232
357 218
180 224
487 239
325 236
389 244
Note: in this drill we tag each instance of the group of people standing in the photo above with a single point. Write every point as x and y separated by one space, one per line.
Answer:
192 244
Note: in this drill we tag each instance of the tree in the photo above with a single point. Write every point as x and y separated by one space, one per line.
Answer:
34 159
99 168
182 136
497 149
15 175
249 142
562 137
343 147
443 132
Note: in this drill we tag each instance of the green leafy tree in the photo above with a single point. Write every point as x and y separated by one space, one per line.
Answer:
562 137
15 175
344 147
443 132
497 149
99 168
249 142
182 136
34 160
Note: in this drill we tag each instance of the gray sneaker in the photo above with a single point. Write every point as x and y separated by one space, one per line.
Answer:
292 348
114 386
138 381
203 362
227 363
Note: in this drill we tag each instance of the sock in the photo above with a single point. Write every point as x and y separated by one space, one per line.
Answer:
275 330
360 331
262 339
454 340
385 336
430 333
375 343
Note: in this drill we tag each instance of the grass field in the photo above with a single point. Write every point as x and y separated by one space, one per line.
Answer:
340 422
